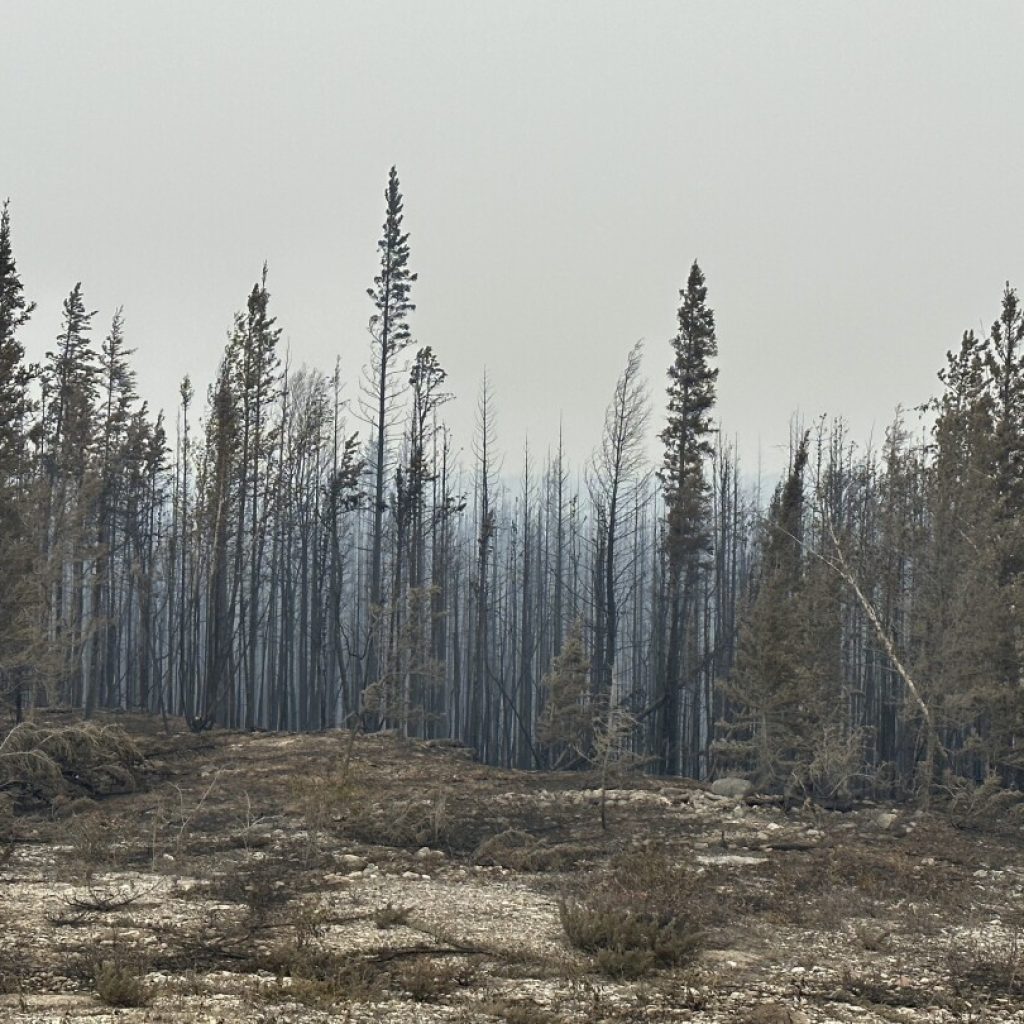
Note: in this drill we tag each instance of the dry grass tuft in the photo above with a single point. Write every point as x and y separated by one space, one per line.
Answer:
407 824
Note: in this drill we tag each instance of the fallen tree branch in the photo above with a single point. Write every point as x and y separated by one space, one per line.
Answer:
841 568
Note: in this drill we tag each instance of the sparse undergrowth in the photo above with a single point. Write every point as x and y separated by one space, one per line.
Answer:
262 884
121 984
644 913
227 881
521 851
988 968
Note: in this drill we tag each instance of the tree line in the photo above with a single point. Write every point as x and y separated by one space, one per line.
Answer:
294 550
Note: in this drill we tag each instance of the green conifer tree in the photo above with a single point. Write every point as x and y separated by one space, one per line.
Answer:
16 549
566 725
15 375
687 441
772 690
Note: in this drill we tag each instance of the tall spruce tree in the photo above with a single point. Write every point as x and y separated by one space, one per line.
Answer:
15 375
117 399
70 381
255 379
15 407
1004 361
70 388
206 700
390 334
687 440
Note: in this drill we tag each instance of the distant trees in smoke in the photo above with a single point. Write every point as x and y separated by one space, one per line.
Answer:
277 559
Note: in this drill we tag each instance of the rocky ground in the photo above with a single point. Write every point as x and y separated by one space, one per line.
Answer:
307 878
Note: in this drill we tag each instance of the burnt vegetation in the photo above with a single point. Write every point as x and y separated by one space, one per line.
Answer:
512 678
213 877
297 550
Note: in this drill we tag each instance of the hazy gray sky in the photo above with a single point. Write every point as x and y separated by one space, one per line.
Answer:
848 175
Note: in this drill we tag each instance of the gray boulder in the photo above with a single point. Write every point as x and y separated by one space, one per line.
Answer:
349 863
886 819
732 786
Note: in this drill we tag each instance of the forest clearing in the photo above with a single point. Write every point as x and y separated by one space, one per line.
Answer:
577 580
229 877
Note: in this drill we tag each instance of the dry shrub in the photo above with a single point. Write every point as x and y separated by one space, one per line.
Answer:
872 937
835 770
643 914
191 984
8 833
391 916
107 898
319 979
995 969
71 807
874 988
309 922
516 1011
38 764
322 980
520 851
323 801
985 806
216 941
407 824
427 980
121 984
826 887
90 837
328 798
889 874
262 884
